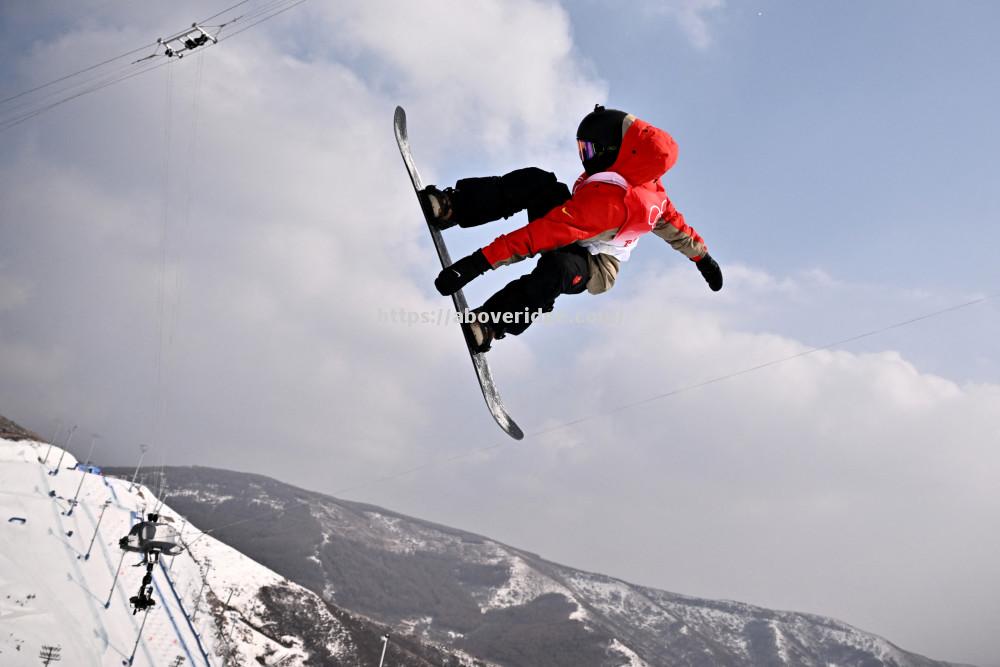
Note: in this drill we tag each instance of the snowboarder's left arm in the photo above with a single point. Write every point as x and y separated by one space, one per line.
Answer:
683 238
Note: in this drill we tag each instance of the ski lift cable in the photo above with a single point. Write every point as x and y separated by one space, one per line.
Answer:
269 7
68 89
293 3
266 7
37 101
185 218
224 11
158 412
766 364
267 12
77 73
6 124
612 411
89 68
168 300
78 89
119 75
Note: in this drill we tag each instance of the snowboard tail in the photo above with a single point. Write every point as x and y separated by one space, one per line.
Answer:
483 372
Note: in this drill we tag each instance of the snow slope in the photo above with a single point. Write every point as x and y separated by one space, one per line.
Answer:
50 595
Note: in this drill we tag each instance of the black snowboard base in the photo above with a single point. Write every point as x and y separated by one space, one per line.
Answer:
483 373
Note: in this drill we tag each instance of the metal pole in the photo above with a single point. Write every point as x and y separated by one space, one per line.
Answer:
55 471
115 581
197 602
143 449
138 638
229 639
72 503
385 645
180 538
54 438
83 477
162 495
104 508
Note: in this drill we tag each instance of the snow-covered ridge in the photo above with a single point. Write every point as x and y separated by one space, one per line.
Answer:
209 604
473 594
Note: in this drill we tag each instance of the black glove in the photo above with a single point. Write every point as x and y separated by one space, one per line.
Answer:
461 273
710 271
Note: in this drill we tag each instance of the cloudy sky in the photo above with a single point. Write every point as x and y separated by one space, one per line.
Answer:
201 258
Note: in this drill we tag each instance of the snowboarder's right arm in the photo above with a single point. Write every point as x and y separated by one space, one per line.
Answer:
593 210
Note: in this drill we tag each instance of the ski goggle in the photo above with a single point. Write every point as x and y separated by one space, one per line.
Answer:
587 149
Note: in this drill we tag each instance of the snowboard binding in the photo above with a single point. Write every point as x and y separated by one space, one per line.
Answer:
439 206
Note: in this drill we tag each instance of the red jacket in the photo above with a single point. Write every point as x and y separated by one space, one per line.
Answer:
608 212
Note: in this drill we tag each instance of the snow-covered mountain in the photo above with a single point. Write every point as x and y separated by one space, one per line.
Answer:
65 586
466 592
291 577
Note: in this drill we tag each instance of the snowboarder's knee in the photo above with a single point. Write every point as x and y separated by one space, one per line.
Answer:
529 178
534 189
567 267
603 272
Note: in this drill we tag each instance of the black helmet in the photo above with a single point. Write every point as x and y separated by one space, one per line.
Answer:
599 137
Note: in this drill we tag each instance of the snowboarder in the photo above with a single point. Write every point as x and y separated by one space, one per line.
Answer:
583 236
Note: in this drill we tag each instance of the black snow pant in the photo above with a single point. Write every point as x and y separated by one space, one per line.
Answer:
564 270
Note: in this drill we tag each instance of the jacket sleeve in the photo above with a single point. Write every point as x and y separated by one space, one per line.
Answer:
592 211
682 237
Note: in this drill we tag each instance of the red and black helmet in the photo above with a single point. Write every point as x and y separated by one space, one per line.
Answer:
599 137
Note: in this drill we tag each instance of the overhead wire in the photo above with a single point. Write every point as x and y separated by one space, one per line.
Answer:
68 89
290 4
144 47
433 463
224 11
7 123
189 173
169 299
767 364
78 72
157 425
72 89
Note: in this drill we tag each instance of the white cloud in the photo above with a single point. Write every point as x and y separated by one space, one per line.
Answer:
693 16
302 225
845 463
489 73
13 292
804 485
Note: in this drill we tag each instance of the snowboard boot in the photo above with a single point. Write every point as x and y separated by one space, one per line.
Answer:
481 335
439 206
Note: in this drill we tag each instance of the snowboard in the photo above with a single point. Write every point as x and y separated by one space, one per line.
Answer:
483 372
